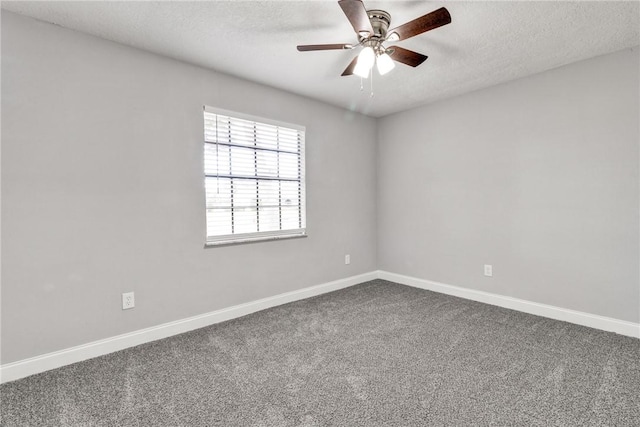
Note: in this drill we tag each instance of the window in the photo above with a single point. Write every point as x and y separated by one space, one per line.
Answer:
254 178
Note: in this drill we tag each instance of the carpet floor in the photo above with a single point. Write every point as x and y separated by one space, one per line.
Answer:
375 354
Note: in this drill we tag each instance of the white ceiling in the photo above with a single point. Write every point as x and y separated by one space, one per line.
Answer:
487 42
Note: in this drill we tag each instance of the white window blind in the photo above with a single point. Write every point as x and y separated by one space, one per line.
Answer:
254 178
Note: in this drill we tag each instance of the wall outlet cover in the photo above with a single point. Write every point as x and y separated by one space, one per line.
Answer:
128 300
488 270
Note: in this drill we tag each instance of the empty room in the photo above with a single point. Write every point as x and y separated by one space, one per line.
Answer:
320 213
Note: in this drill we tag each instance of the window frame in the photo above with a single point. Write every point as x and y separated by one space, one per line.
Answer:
257 236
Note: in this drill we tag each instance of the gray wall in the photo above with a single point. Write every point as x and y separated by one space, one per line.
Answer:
538 177
102 191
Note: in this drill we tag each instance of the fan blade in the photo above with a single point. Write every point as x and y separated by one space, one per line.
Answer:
357 15
349 70
405 56
308 47
432 20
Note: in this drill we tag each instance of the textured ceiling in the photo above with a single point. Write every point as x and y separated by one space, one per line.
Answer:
487 42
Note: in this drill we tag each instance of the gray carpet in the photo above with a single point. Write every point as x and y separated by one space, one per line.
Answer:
376 354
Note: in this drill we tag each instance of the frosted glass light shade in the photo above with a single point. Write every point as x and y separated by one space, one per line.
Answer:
365 62
385 64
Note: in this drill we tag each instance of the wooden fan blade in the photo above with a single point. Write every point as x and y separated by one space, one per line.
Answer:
349 70
357 15
406 56
432 20
308 47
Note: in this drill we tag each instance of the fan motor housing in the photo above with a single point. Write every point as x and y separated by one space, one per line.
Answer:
380 21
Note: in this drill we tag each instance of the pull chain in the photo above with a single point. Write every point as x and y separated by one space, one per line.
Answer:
371 94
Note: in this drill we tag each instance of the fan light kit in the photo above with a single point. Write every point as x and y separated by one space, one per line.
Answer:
372 28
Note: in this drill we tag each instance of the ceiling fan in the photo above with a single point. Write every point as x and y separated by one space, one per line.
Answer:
372 28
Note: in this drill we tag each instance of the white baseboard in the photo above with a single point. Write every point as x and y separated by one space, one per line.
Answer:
580 318
45 362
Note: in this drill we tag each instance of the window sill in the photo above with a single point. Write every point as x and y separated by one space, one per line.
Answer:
252 240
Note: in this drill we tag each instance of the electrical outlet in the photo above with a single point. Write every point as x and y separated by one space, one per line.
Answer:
128 300
347 259
488 270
